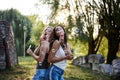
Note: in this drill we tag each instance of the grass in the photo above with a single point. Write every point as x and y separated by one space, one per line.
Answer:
26 68
80 73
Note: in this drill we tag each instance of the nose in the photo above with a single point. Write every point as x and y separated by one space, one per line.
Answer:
45 33
59 32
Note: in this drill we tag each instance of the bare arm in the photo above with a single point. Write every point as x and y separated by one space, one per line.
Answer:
36 50
51 57
43 50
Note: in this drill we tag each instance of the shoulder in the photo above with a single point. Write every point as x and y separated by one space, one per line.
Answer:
56 43
44 42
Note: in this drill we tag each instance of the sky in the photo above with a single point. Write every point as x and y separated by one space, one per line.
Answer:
25 7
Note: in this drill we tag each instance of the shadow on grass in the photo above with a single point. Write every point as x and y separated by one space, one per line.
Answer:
72 78
13 71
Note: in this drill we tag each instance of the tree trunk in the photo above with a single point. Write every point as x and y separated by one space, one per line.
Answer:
94 45
91 47
8 56
113 45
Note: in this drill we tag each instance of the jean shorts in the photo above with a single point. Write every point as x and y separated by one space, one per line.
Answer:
54 73
39 74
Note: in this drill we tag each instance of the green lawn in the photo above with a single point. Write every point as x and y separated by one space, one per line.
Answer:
26 68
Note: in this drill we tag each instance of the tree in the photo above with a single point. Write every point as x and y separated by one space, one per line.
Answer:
109 19
81 16
90 23
17 21
8 54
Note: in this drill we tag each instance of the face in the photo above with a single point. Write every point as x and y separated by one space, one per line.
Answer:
48 31
46 34
59 31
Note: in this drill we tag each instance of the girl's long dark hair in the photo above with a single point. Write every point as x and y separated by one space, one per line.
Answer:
65 35
55 37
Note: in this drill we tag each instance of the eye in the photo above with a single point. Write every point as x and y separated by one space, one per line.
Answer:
56 30
50 30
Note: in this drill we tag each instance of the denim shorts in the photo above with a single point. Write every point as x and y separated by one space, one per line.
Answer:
39 74
54 73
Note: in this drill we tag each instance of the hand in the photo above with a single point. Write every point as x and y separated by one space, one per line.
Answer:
29 51
66 52
61 39
69 57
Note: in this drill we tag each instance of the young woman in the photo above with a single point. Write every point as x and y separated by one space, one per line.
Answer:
40 54
59 53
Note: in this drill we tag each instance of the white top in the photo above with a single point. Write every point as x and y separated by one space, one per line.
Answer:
60 53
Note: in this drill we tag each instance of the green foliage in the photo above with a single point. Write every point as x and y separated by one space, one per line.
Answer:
82 34
79 17
103 49
55 6
118 53
17 21
79 48
70 22
36 30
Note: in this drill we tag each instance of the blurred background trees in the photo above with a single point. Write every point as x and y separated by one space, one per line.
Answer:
91 17
93 26
17 21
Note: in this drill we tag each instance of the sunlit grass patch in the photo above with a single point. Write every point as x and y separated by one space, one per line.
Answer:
26 60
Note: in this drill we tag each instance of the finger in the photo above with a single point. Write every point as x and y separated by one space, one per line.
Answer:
29 47
27 51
